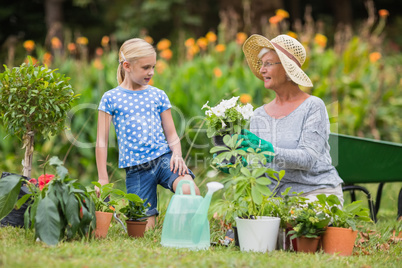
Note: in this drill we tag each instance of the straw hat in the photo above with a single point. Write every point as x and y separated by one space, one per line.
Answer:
291 54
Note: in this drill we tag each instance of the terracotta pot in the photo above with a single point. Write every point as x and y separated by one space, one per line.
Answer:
103 220
339 240
136 228
306 244
288 240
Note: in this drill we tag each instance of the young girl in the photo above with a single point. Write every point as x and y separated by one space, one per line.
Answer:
149 147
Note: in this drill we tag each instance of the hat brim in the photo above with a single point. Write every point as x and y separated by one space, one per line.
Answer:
252 47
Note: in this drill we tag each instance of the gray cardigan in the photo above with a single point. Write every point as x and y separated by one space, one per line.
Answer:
300 141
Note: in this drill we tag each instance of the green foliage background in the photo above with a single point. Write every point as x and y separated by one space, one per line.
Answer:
363 98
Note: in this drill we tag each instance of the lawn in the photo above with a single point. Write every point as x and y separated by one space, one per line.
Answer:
375 247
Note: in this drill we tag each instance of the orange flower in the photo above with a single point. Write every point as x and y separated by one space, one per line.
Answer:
47 58
191 51
189 42
375 56
163 44
29 45
112 208
99 51
166 54
383 13
98 64
56 43
71 47
202 42
105 40
320 40
149 39
217 72
292 34
211 37
82 40
220 47
245 98
282 13
275 19
34 61
160 66
240 38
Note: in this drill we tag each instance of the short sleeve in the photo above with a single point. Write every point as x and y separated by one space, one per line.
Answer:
164 102
105 104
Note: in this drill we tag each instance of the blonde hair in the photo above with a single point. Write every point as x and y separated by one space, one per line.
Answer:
130 51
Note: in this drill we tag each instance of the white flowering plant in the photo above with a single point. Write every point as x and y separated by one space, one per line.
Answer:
228 117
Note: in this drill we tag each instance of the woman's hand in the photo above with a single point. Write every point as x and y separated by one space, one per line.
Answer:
177 164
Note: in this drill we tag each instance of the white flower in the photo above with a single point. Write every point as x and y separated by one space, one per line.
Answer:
208 113
247 111
218 110
231 103
205 105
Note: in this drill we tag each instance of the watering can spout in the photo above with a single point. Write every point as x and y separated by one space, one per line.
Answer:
201 215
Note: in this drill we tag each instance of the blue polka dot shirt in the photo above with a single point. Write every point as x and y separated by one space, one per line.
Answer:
137 121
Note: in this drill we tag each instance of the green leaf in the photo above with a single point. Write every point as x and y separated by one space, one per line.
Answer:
72 212
10 187
264 181
258 172
47 222
245 171
218 148
256 195
263 189
22 200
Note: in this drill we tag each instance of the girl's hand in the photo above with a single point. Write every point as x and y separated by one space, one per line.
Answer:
177 164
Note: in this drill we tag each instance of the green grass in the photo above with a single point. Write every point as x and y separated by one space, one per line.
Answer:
18 249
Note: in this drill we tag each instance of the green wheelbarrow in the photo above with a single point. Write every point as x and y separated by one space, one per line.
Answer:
361 160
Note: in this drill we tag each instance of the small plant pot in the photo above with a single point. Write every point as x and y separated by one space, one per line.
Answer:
307 244
103 220
136 228
339 241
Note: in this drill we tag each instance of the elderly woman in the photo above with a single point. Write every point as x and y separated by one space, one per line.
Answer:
294 122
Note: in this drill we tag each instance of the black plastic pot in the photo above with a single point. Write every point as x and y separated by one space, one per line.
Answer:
16 217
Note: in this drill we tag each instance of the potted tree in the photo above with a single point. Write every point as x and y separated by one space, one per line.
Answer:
341 236
251 200
34 102
309 223
58 208
104 206
135 211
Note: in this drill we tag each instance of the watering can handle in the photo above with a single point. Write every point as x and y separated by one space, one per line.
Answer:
179 189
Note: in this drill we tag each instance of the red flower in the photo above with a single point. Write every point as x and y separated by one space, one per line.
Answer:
44 179
33 181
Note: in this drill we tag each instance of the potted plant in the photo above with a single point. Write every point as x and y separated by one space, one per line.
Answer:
340 237
58 207
135 210
34 102
250 198
104 206
281 207
309 223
